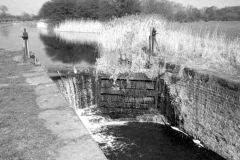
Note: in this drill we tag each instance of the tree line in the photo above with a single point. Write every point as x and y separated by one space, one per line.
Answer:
177 12
58 10
23 17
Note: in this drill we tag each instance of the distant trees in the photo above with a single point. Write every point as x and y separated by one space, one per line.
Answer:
3 9
58 10
3 12
24 16
162 7
106 9
124 7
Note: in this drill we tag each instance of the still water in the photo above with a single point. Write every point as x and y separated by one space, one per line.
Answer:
119 141
56 51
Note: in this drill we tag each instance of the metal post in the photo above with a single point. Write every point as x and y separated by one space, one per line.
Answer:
150 47
152 41
154 32
25 38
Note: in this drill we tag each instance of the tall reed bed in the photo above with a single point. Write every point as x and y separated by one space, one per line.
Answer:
127 38
204 48
42 25
79 26
76 38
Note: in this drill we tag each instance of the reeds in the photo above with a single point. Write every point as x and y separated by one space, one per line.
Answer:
42 25
204 49
76 38
79 26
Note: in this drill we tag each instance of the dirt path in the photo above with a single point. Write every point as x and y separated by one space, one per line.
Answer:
36 122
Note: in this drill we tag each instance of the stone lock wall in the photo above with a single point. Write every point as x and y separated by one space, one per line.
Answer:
204 106
127 98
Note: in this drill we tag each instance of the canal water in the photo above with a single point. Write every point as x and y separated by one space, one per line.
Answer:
119 140
63 51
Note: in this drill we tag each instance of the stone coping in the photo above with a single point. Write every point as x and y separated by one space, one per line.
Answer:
61 120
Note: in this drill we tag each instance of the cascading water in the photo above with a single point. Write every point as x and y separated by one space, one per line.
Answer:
125 140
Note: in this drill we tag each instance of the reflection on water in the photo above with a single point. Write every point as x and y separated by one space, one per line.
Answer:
56 51
5 32
60 49
64 52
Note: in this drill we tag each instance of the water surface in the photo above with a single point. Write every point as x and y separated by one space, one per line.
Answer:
56 51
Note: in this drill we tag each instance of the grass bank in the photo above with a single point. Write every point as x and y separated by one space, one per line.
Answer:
127 37
23 134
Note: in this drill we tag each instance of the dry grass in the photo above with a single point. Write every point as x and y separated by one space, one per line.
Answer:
82 38
205 49
42 25
180 44
79 26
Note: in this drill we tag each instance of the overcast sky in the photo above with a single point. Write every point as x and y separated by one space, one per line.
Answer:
16 7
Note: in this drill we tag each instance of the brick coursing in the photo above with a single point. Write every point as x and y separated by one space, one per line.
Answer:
211 111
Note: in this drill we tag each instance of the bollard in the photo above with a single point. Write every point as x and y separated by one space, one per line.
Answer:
152 45
25 38
154 33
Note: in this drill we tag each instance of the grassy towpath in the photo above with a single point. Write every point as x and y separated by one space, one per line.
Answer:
35 121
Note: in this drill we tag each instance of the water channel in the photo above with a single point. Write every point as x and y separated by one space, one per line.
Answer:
66 52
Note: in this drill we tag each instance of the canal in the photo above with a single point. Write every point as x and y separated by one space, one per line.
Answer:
119 140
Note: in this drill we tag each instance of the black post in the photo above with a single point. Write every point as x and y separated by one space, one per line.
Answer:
154 33
25 38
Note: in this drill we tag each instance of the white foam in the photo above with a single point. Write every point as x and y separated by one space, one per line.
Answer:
198 143
177 129
96 126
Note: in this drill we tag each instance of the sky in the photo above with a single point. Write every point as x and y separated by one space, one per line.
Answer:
16 7
208 3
